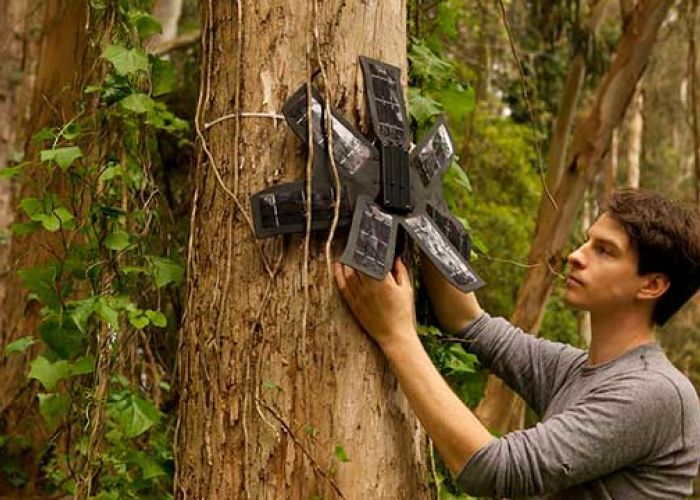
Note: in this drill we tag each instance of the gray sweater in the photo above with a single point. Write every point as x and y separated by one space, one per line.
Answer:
626 429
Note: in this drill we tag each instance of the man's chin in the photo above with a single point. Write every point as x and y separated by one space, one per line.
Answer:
574 304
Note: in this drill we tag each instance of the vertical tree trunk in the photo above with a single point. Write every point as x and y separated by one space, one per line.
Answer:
693 91
501 410
271 406
634 138
54 45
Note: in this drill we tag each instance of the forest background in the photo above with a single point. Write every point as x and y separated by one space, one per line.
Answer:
150 348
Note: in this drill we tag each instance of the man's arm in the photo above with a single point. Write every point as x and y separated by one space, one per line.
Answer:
385 310
454 309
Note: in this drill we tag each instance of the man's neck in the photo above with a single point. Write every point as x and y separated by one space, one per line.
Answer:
614 334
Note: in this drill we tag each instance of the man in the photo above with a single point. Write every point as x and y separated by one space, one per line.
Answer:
618 421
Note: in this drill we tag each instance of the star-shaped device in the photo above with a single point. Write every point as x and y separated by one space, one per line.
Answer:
384 186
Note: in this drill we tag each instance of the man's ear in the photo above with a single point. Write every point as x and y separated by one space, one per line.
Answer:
653 286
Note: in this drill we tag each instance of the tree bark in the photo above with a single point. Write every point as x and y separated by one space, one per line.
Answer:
693 91
269 405
501 410
54 46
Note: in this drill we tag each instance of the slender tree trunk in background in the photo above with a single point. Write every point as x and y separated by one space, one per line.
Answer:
58 51
268 404
168 13
635 130
569 102
501 410
693 91
584 317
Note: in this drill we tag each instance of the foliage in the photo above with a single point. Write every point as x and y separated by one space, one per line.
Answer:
95 208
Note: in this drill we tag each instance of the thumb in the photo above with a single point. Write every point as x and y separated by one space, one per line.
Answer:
400 272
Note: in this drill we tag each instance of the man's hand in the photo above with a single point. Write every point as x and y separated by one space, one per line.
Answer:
384 308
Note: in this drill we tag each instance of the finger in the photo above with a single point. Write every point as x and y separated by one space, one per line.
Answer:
400 272
339 275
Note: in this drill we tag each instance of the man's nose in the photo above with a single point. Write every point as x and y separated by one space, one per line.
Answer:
576 258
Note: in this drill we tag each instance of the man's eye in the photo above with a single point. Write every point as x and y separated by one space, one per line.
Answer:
601 250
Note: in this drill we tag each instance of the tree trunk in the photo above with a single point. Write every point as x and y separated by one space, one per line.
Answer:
271 402
693 91
501 409
634 138
53 45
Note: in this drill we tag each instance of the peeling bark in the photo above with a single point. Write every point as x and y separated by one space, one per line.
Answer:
265 402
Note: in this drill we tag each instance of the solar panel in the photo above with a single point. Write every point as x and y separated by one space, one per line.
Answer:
384 186
372 239
440 251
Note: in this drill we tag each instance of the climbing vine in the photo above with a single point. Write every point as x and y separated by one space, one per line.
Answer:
105 290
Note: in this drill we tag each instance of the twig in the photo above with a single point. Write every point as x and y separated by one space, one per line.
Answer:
433 469
180 42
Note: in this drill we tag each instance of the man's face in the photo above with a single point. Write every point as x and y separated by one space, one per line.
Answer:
603 271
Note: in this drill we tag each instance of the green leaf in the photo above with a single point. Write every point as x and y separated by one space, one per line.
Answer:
166 271
45 134
48 373
10 172
138 319
157 318
53 407
64 157
41 281
19 345
126 61
149 468
137 416
422 107
61 335
117 240
163 77
81 310
106 312
138 103
426 65
49 221
340 454
457 101
145 23
22 228
83 365
460 361
110 173
32 206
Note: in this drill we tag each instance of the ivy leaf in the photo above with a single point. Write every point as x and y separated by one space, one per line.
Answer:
422 107
10 172
137 416
163 77
48 373
45 134
166 271
149 468
53 407
62 335
80 312
126 61
138 103
145 23
41 281
138 319
19 345
340 454
83 365
110 173
157 318
107 313
460 361
31 206
426 65
118 240
64 157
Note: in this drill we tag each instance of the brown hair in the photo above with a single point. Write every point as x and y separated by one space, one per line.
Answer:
666 236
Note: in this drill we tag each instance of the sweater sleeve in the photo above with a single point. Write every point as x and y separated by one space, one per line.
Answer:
615 425
532 367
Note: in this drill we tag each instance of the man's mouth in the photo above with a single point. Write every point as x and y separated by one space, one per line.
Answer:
572 281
